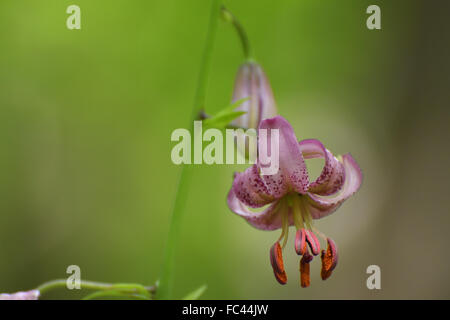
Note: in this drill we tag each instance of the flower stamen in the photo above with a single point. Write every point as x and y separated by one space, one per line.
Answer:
329 259
276 260
300 242
305 279
313 242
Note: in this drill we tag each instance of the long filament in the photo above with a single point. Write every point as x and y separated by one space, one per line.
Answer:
285 223
306 215
298 219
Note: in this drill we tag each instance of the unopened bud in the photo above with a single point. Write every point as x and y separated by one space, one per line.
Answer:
252 83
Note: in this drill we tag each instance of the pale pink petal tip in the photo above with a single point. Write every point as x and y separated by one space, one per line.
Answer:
21 295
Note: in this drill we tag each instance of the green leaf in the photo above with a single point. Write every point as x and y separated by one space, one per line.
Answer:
223 120
194 295
234 105
225 116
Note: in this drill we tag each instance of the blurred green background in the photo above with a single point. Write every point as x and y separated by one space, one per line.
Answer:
86 117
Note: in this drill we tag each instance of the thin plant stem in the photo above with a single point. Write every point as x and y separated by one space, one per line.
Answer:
94 285
230 17
114 293
165 287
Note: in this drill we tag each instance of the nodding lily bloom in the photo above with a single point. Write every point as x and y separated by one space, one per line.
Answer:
289 198
251 82
22 295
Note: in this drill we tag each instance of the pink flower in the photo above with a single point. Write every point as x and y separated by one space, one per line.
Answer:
252 83
22 295
289 198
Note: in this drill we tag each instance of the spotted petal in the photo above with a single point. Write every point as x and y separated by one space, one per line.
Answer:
250 189
321 206
269 218
292 174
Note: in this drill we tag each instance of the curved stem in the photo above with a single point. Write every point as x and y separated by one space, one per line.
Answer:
228 16
114 293
165 286
93 285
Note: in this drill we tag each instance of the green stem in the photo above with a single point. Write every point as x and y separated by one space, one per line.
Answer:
94 285
228 16
202 81
115 293
165 287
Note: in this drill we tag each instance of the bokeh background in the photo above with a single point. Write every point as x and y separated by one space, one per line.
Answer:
85 123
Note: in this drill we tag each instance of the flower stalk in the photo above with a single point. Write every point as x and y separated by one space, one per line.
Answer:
165 288
229 17
130 290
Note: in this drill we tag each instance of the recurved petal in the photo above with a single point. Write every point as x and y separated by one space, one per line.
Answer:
332 176
321 206
250 189
292 174
267 219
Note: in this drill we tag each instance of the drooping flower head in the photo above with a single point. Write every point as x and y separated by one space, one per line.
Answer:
252 83
289 198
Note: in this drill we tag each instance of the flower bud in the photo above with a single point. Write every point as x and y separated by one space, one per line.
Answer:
251 82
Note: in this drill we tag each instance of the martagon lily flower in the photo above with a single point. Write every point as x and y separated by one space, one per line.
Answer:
288 198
